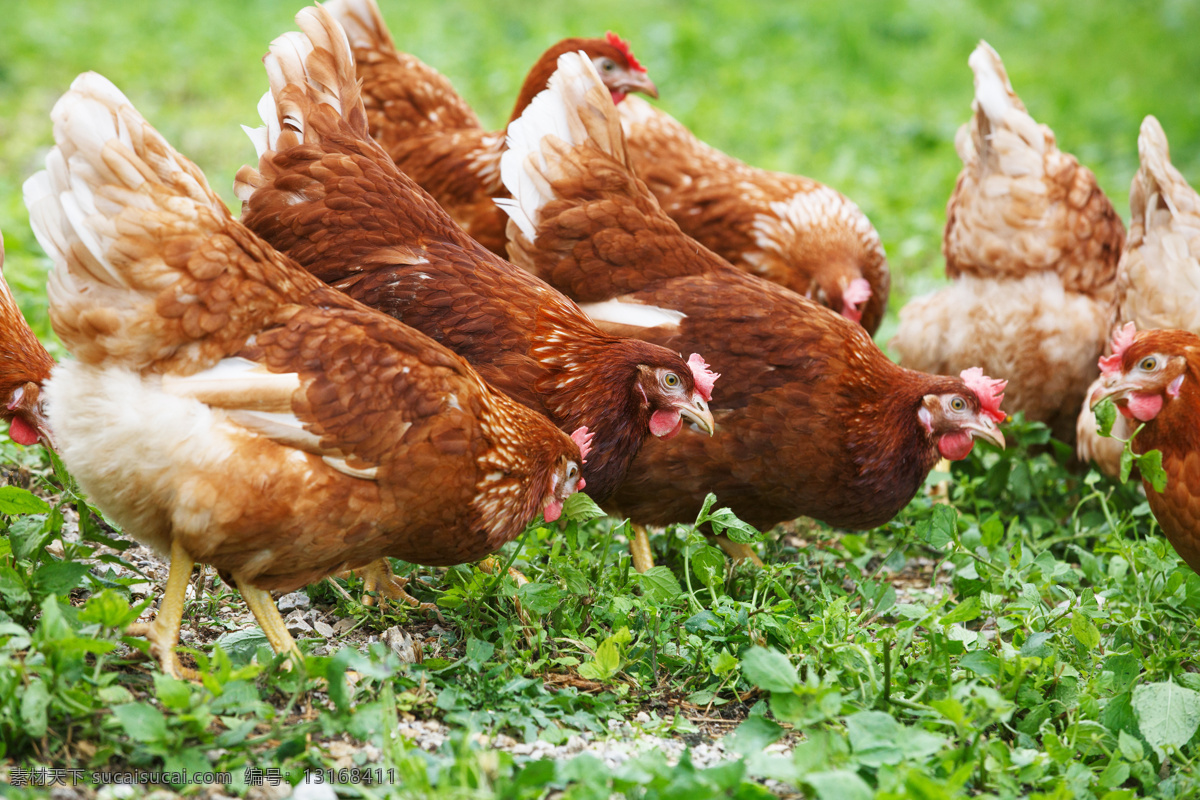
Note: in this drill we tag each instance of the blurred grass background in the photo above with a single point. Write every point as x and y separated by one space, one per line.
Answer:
864 96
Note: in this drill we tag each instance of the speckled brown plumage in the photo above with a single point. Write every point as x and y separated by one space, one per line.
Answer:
24 367
812 418
788 229
330 198
429 130
1032 245
225 400
1174 430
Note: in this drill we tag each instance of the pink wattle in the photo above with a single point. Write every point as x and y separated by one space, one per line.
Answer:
22 432
616 96
552 511
1145 407
956 446
666 423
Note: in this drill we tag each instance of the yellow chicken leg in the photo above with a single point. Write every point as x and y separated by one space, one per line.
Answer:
378 577
269 619
738 551
163 633
639 548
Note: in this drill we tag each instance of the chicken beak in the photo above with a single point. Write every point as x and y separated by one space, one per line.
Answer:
697 412
986 429
1114 387
638 81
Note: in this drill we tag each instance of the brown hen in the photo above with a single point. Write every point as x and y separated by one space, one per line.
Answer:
328 196
227 407
433 135
1158 278
24 367
788 229
1154 379
812 418
1031 245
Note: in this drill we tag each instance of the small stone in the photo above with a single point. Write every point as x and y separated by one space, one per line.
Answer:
342 625
64 793
323 628
296 624
314 791
402 644
292 601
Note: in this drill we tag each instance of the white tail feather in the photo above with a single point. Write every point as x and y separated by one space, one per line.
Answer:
992 89
362 22
557 111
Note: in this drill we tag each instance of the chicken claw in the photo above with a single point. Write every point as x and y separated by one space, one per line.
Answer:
378 577
738 551
163 632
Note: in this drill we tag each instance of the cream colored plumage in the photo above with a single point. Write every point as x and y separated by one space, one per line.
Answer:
1032 245
1158 279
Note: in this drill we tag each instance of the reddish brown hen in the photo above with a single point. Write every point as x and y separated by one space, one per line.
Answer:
812 418
788 229
325 194
24 367
434 136
1154 379
227 407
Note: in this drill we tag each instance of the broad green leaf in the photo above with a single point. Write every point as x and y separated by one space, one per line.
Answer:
1152 470
35 700
13 588
540 598
723 520
839 784
242 645
769 670
1126 464
173 694
722 663
708 562
1167 714
58 577
1085 631
605 664
479 652
1130 747
15 500
108 608
877 739
938 531
660 584
581 508
141 721
967 610
753 735
28 535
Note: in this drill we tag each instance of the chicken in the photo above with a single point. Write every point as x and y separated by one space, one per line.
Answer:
431 132
1031 245
24 367
225 406
1158 278
812 419
328 196
786 228
1153 377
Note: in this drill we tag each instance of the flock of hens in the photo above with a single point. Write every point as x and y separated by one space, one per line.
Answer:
422 334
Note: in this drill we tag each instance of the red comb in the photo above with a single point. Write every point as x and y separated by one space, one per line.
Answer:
1111 365
583 438
989 391
623 46
702 375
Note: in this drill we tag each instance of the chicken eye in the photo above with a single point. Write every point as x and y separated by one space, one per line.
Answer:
608 65
671 380
1148 363
572 471
958 404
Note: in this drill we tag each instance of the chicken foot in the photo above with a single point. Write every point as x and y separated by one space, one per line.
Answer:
378 577
639 548
262 605
163 632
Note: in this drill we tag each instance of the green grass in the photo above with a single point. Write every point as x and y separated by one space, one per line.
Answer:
1059 659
